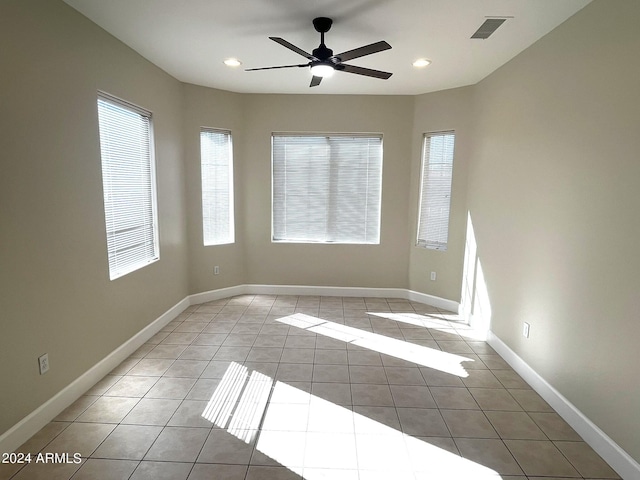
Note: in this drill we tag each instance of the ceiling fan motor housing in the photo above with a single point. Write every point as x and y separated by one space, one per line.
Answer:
322 53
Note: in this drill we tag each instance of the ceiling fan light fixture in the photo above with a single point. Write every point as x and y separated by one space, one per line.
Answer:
421 63
232 62
322 70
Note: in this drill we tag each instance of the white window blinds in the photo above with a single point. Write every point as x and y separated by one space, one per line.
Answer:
435 192
326 188
128 180
217 186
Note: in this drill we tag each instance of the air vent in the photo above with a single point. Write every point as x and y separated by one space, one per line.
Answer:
489 26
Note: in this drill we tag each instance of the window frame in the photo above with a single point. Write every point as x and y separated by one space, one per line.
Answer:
291 240
231 195
422 238
110 168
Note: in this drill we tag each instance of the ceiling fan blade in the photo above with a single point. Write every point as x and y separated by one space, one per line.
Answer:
315 81
364 71
280 66
362 51
291 46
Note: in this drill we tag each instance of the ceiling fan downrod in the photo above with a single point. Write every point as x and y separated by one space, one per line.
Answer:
322 25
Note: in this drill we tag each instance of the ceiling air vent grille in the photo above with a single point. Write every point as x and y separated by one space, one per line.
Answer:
489 26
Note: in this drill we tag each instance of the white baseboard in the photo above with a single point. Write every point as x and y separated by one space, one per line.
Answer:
212 295
438 302
610 451
254 289
615 456
324 291
32 423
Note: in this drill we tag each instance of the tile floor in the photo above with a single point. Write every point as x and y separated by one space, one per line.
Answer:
288 387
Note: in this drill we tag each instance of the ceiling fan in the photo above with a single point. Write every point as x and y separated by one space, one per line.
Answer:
324 63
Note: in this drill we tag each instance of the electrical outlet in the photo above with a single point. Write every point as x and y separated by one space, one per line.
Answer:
216 270
525 330
433 276
43 363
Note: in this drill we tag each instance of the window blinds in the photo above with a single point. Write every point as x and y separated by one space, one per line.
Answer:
326 189
435 193
128 180
217 186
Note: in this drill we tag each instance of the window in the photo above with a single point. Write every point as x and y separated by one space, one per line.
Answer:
217 186
435 190
326 188
128 180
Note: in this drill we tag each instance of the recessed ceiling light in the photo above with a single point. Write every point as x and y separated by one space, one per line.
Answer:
232 62
421 62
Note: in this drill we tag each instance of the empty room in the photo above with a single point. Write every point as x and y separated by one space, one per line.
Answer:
358 240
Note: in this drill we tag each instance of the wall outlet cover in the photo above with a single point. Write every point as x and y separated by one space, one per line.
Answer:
43 363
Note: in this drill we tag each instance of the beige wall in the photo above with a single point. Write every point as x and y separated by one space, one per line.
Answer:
383 265
206 107
436 112
55 293
254 258
553 195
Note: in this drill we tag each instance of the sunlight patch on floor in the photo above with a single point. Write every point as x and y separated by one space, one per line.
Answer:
417 319
239 401
441 323
425 356
318 439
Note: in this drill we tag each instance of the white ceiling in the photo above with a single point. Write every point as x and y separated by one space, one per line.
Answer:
189 39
